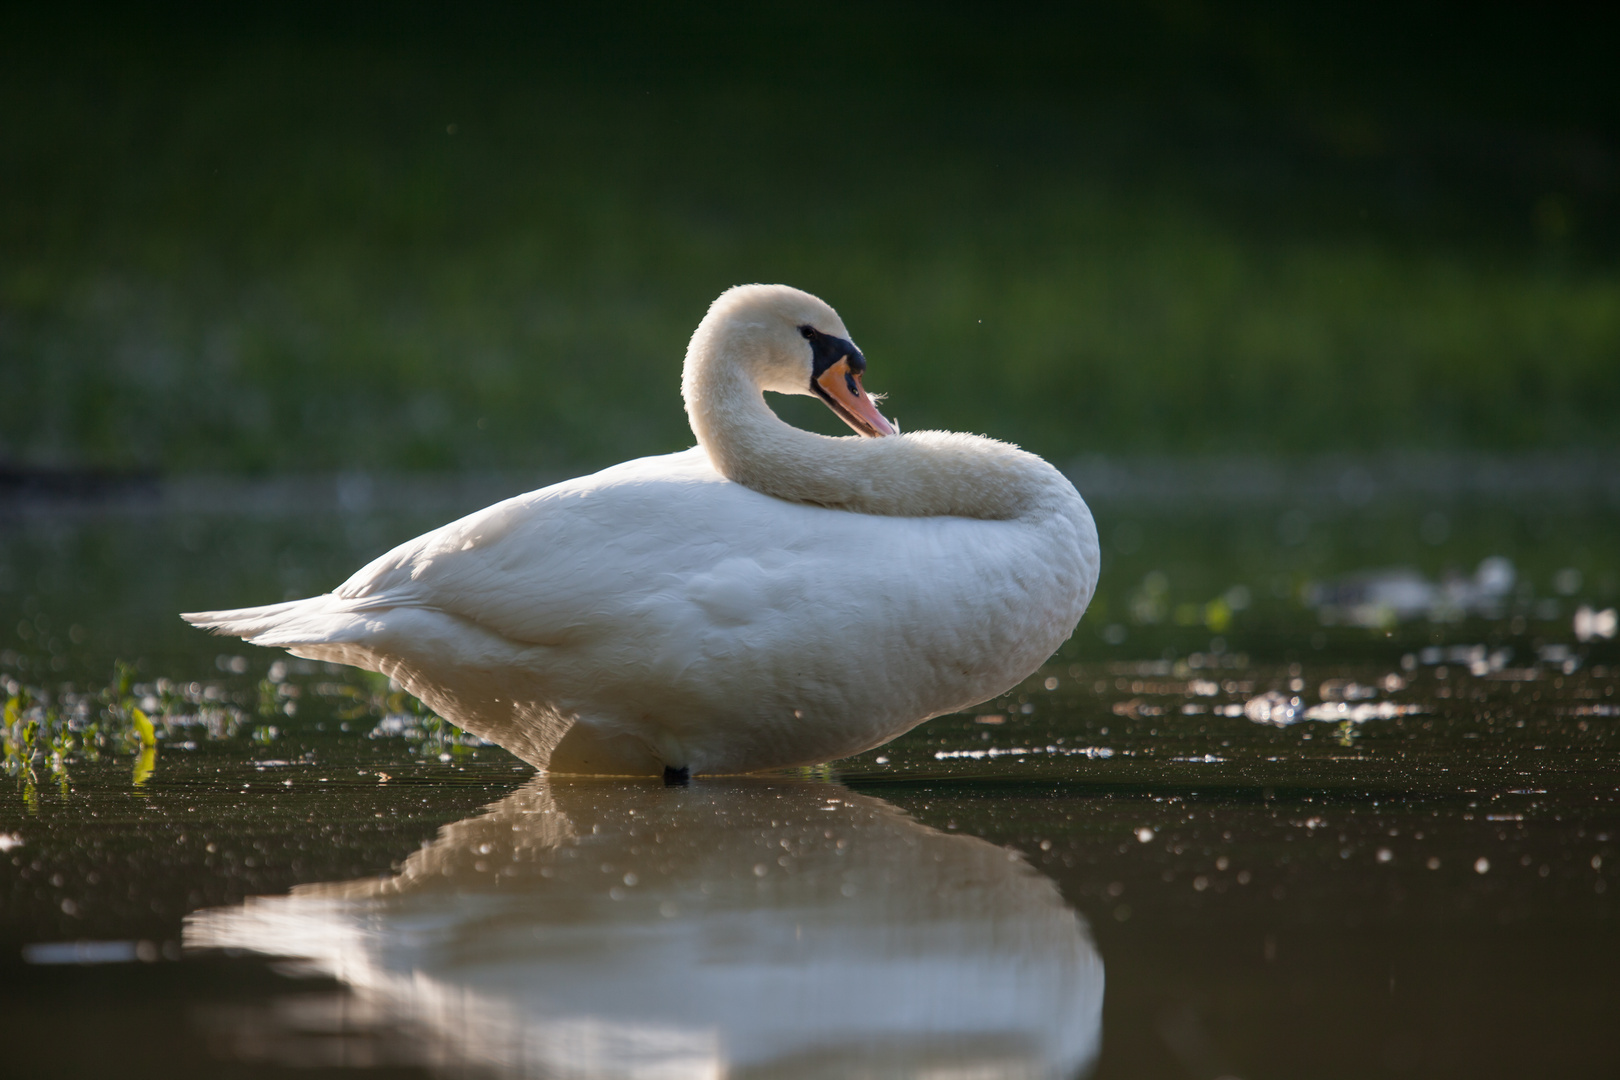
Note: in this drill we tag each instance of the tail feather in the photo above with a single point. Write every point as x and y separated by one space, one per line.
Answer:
314 620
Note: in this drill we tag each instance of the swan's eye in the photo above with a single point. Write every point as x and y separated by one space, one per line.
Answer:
808 332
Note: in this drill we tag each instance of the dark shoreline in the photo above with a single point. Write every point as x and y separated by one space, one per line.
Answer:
1146 481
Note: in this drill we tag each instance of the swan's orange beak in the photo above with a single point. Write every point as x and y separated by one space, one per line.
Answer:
840 387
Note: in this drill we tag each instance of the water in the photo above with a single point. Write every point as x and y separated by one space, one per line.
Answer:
1277 810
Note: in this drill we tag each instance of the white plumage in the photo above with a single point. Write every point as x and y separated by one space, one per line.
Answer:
768 598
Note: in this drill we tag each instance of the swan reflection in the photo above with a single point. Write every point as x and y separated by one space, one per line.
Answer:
751 927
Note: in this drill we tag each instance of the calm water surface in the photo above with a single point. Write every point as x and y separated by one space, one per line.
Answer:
1317 790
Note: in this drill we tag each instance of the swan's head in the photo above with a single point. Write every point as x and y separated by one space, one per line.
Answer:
791 343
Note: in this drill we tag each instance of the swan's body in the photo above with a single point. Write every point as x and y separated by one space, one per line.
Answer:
768 598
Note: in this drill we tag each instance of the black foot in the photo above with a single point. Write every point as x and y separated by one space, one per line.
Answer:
674 777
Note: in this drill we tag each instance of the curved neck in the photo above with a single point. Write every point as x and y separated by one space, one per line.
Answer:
921 474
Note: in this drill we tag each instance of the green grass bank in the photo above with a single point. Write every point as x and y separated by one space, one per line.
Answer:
415 244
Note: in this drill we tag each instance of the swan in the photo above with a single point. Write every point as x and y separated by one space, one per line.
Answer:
768 598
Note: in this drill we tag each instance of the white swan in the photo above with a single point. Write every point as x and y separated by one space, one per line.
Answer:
768 598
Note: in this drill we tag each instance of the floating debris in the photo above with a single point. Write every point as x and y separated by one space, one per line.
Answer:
1478 659
1342 712
1591 625
1025 751
427 733
1274 708
1345 690
1379 599
1280 710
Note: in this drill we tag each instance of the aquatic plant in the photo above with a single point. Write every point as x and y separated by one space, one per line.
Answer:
361 695
404 716
44 732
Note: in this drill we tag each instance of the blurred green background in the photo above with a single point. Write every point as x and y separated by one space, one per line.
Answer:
475 237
